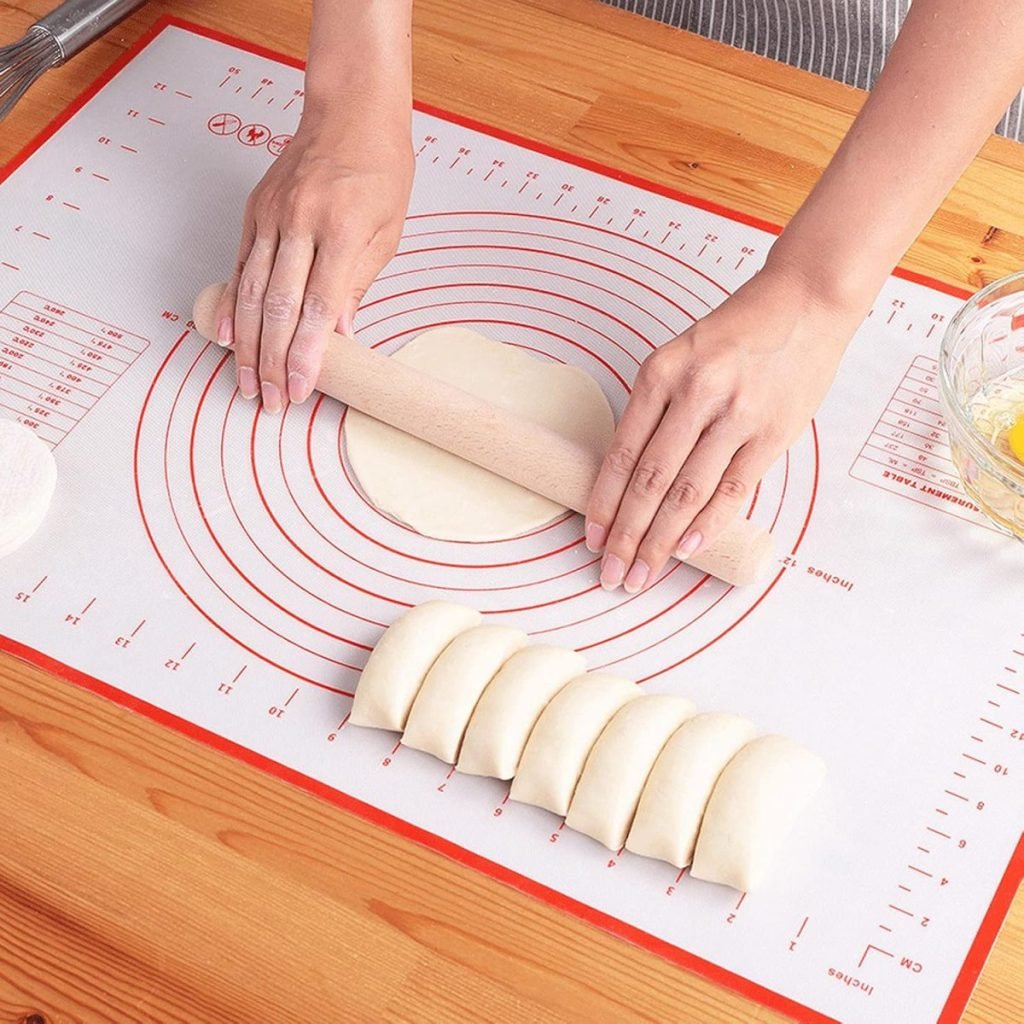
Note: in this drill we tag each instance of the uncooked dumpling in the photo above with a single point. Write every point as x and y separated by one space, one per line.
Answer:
617 768
510 706
672 804
437 493
754 805
441 711
401 660
563 737
28 477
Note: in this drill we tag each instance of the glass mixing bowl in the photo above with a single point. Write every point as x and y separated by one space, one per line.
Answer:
981 373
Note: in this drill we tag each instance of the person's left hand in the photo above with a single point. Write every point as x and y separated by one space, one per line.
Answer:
709 413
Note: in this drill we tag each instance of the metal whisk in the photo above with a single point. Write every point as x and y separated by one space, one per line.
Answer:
52 40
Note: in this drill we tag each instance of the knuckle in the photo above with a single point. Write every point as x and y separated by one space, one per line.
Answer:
306 353
315 309
250 292
339 230
733 488
653 371
649 480
683 494
271 362
279 307
385 243
624 538
300 209
620 460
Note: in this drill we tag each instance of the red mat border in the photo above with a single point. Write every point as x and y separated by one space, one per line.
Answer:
1014 874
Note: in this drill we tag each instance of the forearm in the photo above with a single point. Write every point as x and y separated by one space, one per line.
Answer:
950 76
360 55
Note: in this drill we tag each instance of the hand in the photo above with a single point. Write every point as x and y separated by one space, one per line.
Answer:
710 412
318 228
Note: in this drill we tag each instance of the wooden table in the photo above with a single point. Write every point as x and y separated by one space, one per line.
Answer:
145 877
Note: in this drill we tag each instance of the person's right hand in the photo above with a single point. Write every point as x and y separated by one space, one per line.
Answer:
317 230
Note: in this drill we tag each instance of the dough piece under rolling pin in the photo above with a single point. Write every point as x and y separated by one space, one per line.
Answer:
445 703
28 477
401 660
511 705
443 496
613 778
677 790
563 737
754 805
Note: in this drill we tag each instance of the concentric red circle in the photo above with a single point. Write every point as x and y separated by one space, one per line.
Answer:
260 522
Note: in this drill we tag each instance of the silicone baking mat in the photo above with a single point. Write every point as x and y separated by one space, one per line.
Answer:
220 570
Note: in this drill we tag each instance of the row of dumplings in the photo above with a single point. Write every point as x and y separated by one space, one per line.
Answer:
639 771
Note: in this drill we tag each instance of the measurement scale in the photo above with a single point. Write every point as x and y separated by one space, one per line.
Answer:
223 568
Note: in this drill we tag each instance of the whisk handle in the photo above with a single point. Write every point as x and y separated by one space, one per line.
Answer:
76 23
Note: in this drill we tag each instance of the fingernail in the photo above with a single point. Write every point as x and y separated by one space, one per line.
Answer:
271 398
247 382
689 545
298 388
636 578
612 571
595 535
224 332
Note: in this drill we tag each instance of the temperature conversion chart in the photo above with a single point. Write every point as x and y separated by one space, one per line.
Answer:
223 566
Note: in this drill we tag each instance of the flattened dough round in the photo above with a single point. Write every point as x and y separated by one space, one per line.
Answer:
437 493
28 476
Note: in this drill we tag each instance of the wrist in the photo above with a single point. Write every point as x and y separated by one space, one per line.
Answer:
817 278
338 95
357 120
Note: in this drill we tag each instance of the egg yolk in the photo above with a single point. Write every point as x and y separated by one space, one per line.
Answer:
1015 438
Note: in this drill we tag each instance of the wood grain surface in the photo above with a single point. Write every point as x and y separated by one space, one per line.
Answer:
147 878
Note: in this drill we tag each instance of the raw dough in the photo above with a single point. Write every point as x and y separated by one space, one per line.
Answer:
437 493
510 707
755 803
563 737
28 477
401 660
617 768
449 694
677 791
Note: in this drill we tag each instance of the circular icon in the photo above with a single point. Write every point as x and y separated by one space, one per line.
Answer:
278 144
224 124
253 134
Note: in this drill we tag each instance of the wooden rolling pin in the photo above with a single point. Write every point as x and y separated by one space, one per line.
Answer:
496 439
